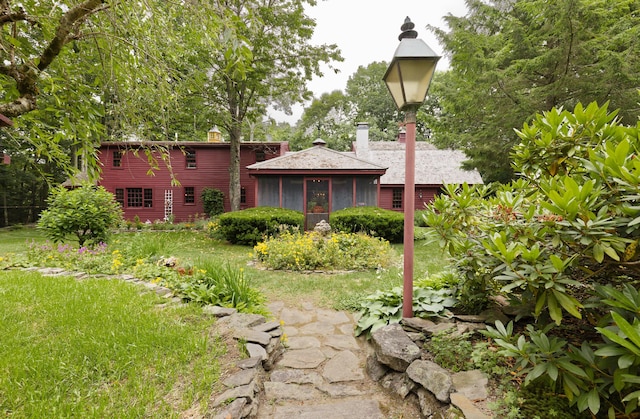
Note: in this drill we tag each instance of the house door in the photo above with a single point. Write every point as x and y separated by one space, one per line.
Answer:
316 202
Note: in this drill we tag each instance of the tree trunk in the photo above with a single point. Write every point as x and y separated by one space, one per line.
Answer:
234 167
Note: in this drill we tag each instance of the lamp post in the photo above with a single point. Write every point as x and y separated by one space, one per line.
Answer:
408 78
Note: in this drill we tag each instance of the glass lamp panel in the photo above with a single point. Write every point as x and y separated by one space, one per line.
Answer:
394 84
416 77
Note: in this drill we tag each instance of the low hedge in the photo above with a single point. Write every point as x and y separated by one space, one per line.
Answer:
252 225
374 221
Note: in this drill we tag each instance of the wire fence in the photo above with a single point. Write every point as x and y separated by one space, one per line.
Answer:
12 215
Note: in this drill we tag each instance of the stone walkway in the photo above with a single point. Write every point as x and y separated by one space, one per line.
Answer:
322 373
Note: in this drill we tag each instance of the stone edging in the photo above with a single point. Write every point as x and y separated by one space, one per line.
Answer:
400 365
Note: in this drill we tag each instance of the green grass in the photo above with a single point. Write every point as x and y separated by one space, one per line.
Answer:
14 239
99 348
332 290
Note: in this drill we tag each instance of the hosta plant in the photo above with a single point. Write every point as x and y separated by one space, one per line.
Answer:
385 307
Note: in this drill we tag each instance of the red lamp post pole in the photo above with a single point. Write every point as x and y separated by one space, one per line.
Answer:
409 210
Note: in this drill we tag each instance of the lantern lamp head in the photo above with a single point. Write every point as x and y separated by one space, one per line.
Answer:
411 70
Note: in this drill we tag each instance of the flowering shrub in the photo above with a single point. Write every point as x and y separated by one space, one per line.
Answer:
210 283
94 259
310 250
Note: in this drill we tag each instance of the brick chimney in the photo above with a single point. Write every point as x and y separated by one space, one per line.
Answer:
362 140
402 135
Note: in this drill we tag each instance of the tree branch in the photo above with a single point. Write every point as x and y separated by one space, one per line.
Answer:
69 23
6 16
26 76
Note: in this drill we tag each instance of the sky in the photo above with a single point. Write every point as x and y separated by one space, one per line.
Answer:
367 31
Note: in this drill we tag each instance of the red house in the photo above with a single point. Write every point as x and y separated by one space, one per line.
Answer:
163 180
316 181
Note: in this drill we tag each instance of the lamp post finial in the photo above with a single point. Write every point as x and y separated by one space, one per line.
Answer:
407 30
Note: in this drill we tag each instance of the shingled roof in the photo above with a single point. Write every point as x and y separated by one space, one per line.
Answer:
318 158
433 166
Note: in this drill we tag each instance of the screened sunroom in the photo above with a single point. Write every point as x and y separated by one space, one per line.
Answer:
317 181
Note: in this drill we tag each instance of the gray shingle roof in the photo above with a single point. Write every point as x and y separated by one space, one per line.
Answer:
433 166
317 158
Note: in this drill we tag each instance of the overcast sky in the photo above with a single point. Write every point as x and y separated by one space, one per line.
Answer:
367 31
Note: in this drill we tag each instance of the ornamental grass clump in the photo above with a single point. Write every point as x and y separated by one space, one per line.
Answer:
312 251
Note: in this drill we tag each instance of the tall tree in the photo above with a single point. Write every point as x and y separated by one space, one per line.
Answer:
262 55
513 58
371 100
329 118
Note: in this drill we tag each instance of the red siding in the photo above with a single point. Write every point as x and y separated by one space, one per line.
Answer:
424 195
212 171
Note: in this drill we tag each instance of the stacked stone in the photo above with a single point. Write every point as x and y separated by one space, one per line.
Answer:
399 364
262 342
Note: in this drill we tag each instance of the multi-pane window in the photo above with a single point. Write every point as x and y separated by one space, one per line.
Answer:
396 201
260 155
117 158
189 195
120 196
243 195
148 198
134 197
190 155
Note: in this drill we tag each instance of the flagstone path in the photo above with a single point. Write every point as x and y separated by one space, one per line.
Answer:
322 374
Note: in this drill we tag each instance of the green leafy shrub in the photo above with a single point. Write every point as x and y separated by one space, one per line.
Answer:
568 227
311 250
419 219
212 201
253 224
385 307
373 221
88 212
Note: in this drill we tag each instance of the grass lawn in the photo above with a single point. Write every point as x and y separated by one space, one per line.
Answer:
100 348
